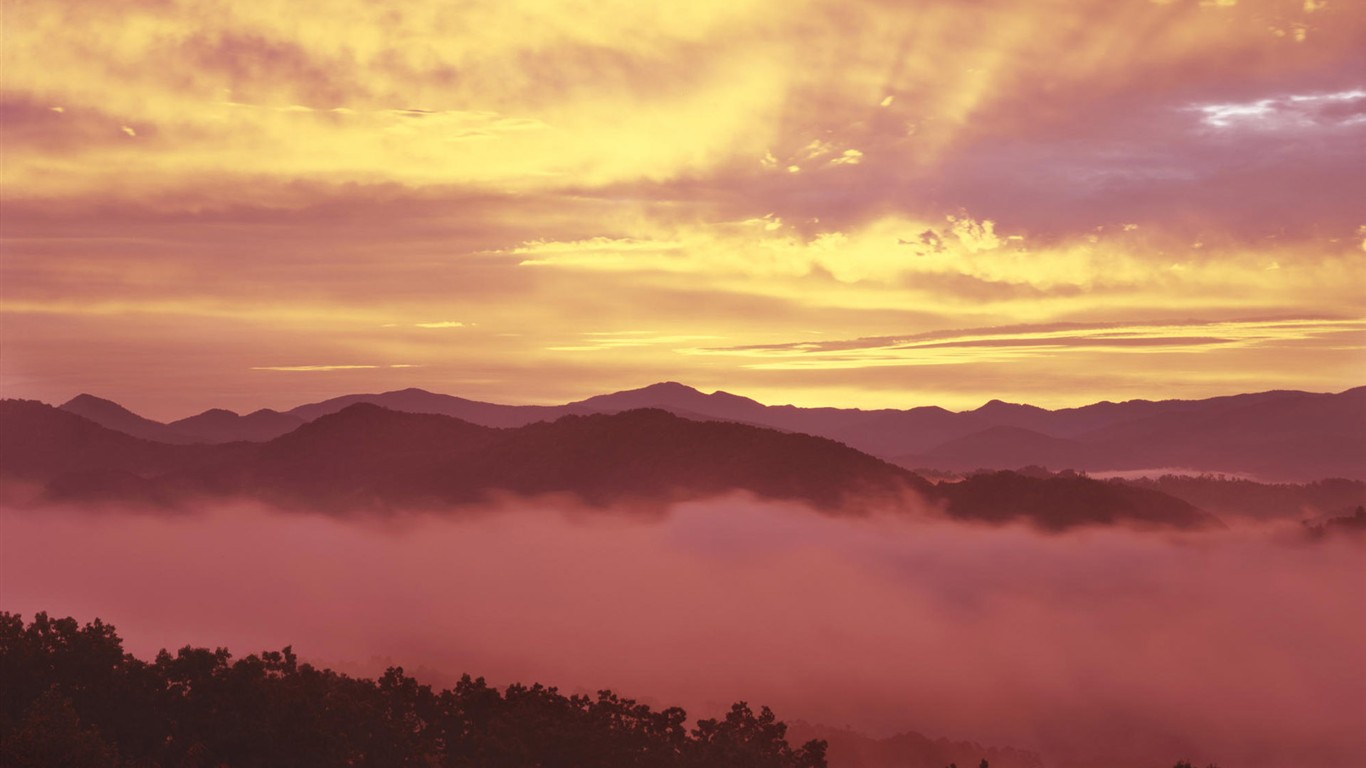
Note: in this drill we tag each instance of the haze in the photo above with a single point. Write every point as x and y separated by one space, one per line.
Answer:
833 204
1099 647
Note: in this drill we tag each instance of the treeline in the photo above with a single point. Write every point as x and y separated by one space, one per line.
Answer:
1354 523
70 696
1231 497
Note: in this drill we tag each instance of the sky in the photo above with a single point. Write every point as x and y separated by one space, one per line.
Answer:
856 203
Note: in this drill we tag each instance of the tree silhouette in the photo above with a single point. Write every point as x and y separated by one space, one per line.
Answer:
70 696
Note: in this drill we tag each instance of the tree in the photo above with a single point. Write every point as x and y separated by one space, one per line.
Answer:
69 696
50 733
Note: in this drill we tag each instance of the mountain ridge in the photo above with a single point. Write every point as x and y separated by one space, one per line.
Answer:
369 458
1285 435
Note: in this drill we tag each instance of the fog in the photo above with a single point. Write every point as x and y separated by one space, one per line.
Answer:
1096 647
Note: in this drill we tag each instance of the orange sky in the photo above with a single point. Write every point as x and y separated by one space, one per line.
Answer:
867 203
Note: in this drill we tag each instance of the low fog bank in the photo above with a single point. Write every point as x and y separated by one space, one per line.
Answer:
1096 647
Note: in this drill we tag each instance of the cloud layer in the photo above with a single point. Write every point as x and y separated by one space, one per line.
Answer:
197 195
1097 647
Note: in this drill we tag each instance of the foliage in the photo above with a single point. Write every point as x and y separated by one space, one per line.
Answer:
71 696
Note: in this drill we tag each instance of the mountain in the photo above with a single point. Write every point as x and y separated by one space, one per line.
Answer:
421 401
212 426
39 442
1031 417
368 457
671 395
1067 501
108 413
1351 524
1276 436
891 433
365 457
1234 497
73 458
1279 435
218 425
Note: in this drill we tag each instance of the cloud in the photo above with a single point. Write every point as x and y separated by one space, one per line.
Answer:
1296 112
1238 646
586 95
1051 340
1039 361
153 304
607 341
738 169
325 368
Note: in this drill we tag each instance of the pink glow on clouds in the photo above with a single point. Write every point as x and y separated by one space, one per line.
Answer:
1242 647
213 206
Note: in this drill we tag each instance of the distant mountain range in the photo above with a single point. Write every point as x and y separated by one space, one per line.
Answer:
215 425
365 457
1274 436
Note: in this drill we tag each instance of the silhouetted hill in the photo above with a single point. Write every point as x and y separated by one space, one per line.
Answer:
672 396
362 456
366 455
370 458
648 452
1350 524
77 459
896 433
422 401
1016 415
1275 436
212 426
1235 497
1063 501
1278 436
108 413
218 425
39 442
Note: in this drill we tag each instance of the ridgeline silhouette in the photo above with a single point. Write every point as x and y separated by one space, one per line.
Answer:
368 458
1280 436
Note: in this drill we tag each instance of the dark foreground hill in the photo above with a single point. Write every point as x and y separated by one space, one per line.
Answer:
365 455
73 698
1060 502
367 458
39 443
